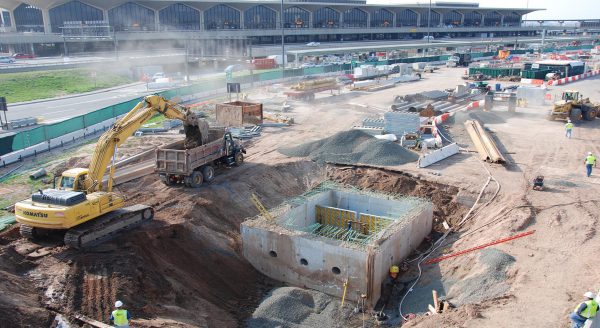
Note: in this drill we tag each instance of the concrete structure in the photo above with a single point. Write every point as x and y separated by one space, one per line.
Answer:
336 233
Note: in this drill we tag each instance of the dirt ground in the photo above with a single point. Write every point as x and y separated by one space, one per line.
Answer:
185 269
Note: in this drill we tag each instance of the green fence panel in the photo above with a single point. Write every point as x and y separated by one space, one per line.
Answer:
97 116
30 138
18 142
61 128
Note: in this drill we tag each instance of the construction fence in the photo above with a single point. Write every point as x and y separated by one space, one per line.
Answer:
12 142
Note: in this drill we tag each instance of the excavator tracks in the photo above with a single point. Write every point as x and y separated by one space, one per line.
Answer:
107 226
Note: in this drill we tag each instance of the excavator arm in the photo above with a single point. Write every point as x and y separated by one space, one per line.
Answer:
126 127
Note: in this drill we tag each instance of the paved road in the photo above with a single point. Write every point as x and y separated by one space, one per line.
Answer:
64 108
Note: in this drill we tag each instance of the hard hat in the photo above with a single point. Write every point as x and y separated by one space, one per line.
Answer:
118 304
589 152
569 120
589 295
394 269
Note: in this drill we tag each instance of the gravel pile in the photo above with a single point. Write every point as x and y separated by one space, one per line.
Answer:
489 284
353 147
296 308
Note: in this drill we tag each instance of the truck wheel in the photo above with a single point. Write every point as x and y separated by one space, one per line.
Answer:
239 159
209 173
591 114
196 179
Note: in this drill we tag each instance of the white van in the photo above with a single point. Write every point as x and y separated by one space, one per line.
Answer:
430 38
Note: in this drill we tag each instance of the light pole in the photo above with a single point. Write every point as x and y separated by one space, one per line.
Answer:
282 41
428 25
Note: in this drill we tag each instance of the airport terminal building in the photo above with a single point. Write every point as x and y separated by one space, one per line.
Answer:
29 26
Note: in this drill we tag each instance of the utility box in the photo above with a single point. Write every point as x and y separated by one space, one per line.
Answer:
239 113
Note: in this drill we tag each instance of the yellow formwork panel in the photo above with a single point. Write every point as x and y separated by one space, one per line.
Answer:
334 216
374 223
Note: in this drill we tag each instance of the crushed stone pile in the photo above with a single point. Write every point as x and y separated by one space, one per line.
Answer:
489 284
353 147
296 308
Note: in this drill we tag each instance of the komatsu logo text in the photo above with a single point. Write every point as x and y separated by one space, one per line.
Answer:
35 214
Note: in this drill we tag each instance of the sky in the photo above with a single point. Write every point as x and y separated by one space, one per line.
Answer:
555 9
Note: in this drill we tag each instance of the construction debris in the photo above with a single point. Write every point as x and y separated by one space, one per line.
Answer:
485 145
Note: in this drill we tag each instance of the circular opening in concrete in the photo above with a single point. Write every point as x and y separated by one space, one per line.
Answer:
336 270
273 253
303 262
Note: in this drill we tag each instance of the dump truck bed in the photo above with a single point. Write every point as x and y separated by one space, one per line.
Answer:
175 159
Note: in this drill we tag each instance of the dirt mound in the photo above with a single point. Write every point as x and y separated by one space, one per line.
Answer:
353 147
444 197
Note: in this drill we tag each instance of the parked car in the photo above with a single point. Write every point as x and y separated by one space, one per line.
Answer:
22 56
159 75
313 44
7 60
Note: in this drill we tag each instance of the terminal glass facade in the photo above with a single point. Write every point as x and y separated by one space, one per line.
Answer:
512 19
296 17
179 17
472 18
6 19
492 19
260 17
28 19
452 18
407 17
382 18
132 17
326 18
435 19
221 17
73 11
355 18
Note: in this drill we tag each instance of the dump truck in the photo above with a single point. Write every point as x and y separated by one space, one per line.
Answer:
191 167
572 105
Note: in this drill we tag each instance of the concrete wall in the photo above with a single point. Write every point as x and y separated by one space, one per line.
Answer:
305 214
321 256
399 245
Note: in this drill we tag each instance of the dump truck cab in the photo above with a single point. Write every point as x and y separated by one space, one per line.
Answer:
72 179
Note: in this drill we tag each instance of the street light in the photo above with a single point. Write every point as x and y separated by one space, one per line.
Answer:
282 41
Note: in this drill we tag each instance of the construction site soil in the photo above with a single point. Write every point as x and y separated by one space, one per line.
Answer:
185 269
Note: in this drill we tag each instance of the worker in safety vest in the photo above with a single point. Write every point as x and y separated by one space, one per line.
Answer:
387 288
120 317
589 161
585 310
569 128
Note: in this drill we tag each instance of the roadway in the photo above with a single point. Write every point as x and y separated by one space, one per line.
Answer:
53 110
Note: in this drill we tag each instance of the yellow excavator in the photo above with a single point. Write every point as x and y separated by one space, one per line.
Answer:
574 107
78 203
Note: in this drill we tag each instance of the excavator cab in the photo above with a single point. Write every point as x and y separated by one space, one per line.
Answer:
73 180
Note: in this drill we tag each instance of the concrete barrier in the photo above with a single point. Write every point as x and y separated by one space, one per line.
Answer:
438 155
574 78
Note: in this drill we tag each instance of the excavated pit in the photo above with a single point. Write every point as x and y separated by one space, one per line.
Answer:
186 268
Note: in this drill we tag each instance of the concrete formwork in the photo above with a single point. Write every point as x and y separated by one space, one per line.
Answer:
295 250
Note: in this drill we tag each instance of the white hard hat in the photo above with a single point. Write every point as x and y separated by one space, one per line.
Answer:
589 295
118 304
589 152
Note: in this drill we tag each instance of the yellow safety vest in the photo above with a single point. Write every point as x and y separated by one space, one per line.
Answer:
569 126
120 317
590 309
590 160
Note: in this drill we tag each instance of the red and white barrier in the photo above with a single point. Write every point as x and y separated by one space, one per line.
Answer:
573 78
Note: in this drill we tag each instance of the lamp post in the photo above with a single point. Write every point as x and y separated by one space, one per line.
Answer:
428 27
282 41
